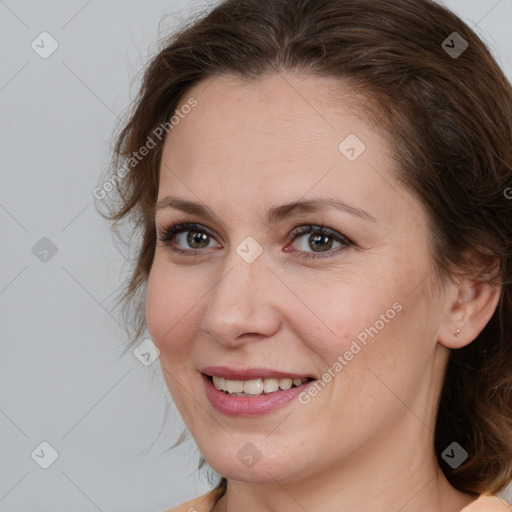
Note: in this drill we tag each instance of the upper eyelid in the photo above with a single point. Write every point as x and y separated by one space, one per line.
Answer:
193 225
296 232
183 227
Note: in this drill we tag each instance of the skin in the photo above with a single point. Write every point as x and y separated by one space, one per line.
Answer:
365 442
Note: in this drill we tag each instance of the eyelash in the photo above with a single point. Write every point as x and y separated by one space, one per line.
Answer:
167 234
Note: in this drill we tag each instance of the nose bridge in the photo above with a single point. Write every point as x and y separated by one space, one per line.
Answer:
241 300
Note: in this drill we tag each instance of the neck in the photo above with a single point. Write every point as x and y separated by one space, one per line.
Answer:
360 483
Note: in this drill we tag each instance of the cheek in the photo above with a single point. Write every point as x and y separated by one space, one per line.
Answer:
169 310
352 327
170 320
332 312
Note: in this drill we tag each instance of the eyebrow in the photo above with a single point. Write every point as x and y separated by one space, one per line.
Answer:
274 215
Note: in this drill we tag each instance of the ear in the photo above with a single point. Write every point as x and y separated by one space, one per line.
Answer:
471 304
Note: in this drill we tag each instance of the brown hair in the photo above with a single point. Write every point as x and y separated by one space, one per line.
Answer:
449 121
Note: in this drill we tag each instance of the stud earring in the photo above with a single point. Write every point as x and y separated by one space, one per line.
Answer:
457 332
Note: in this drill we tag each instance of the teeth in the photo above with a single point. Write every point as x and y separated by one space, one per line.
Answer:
251 387
219 382
255 387
233 386
285 383
270 385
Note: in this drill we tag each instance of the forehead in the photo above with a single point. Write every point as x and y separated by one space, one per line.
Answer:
251 144
274 123
277 99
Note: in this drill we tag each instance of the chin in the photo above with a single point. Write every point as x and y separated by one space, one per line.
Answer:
237 464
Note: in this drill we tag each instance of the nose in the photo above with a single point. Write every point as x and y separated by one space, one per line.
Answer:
243 304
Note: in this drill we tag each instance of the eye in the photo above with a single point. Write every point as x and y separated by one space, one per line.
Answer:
320 240
194 235
190 238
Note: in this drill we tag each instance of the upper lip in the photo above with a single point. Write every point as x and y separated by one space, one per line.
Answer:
250 373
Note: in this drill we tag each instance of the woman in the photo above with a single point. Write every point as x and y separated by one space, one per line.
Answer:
372 372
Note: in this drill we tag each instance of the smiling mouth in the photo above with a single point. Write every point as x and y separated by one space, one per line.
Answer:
255 387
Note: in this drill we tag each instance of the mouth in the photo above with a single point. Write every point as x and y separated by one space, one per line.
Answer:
255 387
238 392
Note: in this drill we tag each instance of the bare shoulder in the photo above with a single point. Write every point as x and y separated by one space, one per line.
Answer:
487 503
201 504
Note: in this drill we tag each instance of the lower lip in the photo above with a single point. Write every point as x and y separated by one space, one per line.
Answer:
250 405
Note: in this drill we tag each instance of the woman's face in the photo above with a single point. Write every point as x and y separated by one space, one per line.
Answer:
247 292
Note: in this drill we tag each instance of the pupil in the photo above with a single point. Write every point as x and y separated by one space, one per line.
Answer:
196 237
317 241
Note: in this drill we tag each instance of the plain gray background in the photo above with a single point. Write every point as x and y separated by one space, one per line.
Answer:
62 378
